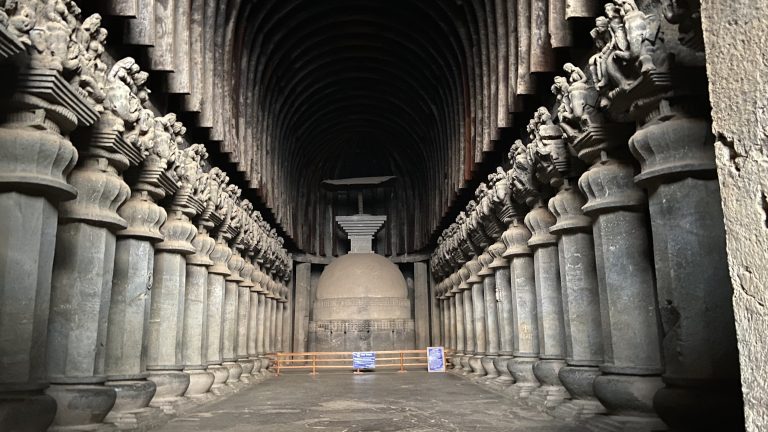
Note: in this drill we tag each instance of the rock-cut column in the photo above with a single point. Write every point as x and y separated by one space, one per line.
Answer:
677 160
35 159
525 328
581 305
243 312
166 317
230 317
261 331
82 287
503 298
215 311
491 315
253 319
633 363
478 316
549 309
195 305
131 297
458 321
469 321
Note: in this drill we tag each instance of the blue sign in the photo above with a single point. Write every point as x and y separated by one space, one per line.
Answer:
436 359
363 360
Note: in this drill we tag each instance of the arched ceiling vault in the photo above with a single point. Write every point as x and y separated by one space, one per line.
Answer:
287 88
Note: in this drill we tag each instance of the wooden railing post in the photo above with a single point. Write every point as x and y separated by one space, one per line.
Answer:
314 364
402 367
278 364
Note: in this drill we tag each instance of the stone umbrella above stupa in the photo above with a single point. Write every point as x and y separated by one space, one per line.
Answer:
362 300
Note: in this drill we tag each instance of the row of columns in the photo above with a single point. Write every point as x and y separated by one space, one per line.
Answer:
612 297
133 278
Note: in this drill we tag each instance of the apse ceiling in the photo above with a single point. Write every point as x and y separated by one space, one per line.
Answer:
299 91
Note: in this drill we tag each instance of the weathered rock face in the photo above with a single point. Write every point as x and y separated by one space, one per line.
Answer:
738 85
361 305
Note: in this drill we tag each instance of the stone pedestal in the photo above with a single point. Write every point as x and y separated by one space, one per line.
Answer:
694 293
230 319
525 329
215 311
581 305
549 309
166 321
632 367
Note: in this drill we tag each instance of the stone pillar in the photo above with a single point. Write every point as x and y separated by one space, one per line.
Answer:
478 308
253 319
279 306
35 159
458 321
549 309
273 325
215 312
581 304
503 298
421 301
243 313
491 315
229 318
195 322
525 328
260 331
82 287
286 345
632 367
701 375
131 298
301 304
166 318
469 323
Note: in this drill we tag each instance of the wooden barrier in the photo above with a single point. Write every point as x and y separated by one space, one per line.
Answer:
314 361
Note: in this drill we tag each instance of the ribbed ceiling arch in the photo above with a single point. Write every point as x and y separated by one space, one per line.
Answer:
283 89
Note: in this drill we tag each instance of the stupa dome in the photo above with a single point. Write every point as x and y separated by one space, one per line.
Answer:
362 286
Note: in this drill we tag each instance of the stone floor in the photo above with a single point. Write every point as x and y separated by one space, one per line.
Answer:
381 401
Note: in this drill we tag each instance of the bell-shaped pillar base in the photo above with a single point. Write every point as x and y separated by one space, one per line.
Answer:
504 378
26 410
171 385
489 366
476 363
551 393
579 381
81 406
521 369
629 400
247 365
200 382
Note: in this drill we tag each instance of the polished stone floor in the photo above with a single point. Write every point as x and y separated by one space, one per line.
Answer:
381 401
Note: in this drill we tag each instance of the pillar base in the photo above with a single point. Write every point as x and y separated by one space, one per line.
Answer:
171 385
628 394
247 365
131 395
490 368
81 406
504 378
476 363
220 375
696 409
200 382
579 382
466 369
26 410
521 369
456 363
141 420
235 370
615 423
551 393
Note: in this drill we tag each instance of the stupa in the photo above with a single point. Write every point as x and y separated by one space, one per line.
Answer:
361 302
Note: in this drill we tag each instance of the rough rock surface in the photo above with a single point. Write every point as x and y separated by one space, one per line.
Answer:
734 34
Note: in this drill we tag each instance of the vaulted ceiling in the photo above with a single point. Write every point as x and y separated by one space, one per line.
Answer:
298 91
